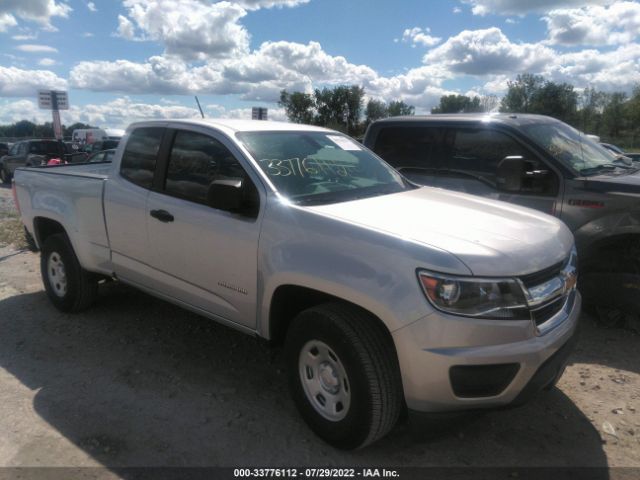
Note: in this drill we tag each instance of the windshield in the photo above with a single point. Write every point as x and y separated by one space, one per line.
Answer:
321 167
572 148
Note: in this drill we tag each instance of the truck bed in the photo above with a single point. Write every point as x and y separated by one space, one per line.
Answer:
91 170
71 195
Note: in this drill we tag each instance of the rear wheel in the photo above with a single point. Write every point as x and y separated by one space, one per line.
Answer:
5 176
69 287
343 375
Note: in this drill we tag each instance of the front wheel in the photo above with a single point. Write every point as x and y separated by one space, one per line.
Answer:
343 375
69 287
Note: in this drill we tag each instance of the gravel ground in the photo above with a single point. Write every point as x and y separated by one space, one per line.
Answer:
138 382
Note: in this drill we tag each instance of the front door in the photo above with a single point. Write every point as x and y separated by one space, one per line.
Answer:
472 166
205 257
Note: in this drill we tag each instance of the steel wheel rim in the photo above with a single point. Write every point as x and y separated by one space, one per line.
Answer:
57 274
324 380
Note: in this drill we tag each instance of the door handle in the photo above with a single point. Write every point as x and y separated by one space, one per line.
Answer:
162 215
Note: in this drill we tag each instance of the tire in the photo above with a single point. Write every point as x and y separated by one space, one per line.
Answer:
343 375
5 176
69 287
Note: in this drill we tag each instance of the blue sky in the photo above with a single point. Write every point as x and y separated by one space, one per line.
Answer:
125 60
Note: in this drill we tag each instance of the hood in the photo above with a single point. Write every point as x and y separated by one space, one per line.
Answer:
492 238
629 184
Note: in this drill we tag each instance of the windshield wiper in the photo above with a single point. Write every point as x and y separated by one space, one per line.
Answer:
604 167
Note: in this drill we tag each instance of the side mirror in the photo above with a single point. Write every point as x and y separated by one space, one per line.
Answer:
511 171
226 194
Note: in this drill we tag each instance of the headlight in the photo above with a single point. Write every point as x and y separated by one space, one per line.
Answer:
491 298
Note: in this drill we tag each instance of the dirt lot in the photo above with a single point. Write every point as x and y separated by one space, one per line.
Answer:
138 382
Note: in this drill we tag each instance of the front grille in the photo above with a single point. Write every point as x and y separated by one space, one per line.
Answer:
533 279
544 313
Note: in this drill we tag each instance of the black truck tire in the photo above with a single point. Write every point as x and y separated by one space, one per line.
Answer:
5 176
69 287
343 374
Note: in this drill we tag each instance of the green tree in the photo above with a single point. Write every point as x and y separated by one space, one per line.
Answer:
398 108
590 106
298 106
615 114
44 130
520 93
339 107
558 100
375 110
458 104
23 128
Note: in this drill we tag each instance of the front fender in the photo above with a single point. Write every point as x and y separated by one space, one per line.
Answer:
589 235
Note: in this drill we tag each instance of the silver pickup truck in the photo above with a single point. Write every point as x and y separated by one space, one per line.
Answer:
301 236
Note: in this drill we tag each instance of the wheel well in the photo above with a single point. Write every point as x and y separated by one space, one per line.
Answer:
613 254
45 227
289 300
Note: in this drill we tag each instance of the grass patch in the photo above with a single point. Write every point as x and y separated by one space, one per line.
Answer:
12 232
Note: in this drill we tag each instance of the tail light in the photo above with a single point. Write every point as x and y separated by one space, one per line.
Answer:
15 196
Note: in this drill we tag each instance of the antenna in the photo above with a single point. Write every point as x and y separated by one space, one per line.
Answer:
199 107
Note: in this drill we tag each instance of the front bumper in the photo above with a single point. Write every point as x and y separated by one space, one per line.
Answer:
430 349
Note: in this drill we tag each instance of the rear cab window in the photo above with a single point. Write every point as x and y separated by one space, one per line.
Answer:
410 148
140 155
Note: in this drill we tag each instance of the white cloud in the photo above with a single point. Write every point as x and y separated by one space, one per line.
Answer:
16 82
39 11
125 29
484 52
7 21
419 36
92 7
256 76
33 48
610 71
521 7
16 110
618 23
87 35
24 37
457 10
498 85
46 62
191 29
256 4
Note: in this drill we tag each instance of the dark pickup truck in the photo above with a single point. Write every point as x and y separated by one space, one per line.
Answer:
541 163
32 153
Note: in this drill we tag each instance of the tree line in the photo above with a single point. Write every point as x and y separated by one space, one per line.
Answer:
339 108
613 116
27 129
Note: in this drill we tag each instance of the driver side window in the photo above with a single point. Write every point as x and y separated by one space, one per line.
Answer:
196 161
478 152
